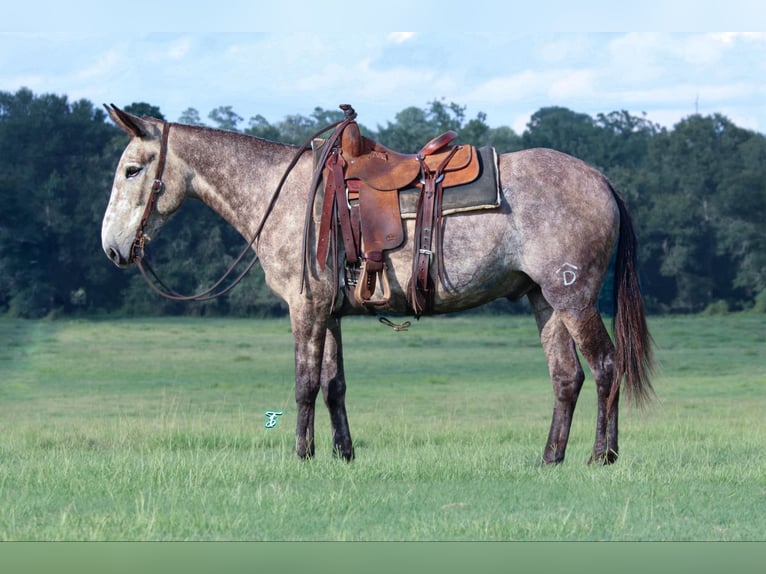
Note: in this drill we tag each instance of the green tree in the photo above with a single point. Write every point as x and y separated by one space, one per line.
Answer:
624 139
504 140
260 127
410 131
697 194
414 127
742 213
144 109
56 164
703 204
446 117
563 130
296 129
190 116
225 118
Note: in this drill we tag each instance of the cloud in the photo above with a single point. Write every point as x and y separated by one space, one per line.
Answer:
401 37
646 56
506 77
373 85
638 58
105 65
179 49
572 84
564 48
669 76
688 93
512 88
731 37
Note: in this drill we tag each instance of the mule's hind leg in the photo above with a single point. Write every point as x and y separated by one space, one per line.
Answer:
588 330
333 383
566 374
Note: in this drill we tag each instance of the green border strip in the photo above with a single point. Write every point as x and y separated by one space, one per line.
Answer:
399 557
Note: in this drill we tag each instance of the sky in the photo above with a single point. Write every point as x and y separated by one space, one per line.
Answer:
504 62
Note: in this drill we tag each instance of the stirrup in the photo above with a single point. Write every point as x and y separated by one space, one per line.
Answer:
367 283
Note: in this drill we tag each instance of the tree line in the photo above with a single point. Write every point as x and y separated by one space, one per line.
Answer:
697 193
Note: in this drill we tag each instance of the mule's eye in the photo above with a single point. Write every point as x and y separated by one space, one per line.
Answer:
132 171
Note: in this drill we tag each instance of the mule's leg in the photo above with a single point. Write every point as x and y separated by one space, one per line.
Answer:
566 375
309 337
333 383
592 339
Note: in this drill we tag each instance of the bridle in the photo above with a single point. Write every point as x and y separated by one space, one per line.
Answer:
138 256
137 249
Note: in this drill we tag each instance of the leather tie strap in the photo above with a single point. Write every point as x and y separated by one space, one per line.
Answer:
344 217
427 226
328 209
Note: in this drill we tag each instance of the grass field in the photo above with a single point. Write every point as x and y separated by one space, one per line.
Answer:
154 430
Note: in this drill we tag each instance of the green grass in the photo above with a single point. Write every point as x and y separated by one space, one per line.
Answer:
154 430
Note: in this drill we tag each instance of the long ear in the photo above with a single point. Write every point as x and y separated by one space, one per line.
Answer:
135 126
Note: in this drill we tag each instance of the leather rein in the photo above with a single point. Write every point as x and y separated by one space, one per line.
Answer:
138 256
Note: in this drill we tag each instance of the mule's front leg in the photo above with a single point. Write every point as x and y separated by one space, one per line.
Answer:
309 336
334 390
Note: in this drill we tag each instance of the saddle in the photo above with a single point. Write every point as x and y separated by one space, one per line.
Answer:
362 180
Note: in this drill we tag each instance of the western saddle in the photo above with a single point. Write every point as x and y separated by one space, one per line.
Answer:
362 179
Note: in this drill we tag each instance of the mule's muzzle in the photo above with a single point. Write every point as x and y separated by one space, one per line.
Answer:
116 257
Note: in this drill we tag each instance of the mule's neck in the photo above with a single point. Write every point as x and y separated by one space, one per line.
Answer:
234 174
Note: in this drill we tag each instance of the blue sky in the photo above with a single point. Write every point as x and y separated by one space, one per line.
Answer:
512 62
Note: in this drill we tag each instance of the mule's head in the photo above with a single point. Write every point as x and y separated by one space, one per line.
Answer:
134 184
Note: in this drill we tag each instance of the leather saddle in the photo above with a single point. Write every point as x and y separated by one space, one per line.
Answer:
387 170
362 179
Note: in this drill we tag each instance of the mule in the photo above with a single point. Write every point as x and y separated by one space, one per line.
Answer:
551 239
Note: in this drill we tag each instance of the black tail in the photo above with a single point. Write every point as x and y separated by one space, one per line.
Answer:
633 353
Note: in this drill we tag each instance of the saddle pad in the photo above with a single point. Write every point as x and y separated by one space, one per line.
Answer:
483 193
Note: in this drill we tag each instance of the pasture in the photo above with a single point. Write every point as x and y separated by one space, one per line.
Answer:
153 429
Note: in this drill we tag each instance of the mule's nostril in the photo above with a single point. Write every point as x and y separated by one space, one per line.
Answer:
115 257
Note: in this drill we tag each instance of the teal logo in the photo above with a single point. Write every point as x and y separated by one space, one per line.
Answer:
272 418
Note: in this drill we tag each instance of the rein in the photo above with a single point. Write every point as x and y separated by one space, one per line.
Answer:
138 256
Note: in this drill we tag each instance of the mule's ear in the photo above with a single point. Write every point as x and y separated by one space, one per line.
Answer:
135 126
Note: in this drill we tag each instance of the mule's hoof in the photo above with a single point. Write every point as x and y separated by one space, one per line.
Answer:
552 455
304 453
603 459
346 454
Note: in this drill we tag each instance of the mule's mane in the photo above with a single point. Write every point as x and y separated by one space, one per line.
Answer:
228 135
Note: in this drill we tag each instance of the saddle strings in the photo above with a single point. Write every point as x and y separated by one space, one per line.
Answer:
327 149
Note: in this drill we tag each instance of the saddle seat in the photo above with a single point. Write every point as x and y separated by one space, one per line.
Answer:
386 170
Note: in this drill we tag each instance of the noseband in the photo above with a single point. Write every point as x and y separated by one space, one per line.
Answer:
137 249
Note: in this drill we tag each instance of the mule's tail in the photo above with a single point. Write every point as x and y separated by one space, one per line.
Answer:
633 343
